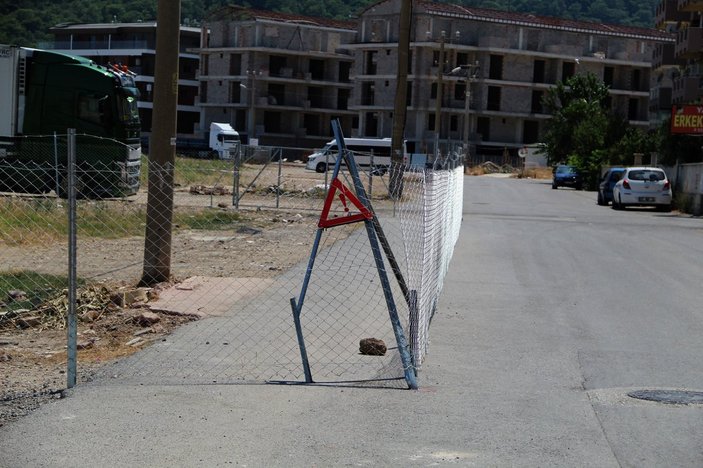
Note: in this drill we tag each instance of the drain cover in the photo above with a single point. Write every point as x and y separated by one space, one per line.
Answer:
672 397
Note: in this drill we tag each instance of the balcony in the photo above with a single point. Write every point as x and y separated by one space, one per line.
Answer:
689 42
690 5
667 11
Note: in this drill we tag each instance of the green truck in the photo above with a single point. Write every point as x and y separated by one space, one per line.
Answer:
45 93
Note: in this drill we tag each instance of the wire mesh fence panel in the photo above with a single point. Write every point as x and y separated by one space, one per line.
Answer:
431 219
225 313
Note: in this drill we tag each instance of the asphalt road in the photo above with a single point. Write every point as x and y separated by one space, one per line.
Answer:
553 310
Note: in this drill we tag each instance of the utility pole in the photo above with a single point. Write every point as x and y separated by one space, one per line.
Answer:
401 101
162 150
471 73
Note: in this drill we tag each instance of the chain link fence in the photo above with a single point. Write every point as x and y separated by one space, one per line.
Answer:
238 234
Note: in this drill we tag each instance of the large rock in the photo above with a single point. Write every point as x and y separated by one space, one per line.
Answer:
147 318
372 347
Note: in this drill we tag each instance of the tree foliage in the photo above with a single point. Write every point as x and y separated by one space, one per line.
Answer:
27 22
582 130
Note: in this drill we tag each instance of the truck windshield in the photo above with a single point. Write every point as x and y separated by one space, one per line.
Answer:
228 138
128 106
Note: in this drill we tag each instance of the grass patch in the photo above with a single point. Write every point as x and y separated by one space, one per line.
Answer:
209 220
25 222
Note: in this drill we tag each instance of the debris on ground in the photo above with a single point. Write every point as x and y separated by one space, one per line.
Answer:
216 189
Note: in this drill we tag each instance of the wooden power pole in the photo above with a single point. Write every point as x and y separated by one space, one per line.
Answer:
162 148
401 100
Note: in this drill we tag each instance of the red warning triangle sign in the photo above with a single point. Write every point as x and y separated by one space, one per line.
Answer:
346 196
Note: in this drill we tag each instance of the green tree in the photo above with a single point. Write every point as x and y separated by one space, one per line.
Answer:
634 140
581 128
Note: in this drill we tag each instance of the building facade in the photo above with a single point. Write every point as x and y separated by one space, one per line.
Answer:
134 46
514 58
278 79
281 78
678 65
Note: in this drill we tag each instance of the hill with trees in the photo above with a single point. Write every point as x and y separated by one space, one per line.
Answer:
27 22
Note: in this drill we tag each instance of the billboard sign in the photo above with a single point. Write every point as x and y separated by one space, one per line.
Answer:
687 120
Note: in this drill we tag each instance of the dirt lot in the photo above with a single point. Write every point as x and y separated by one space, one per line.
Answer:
33 348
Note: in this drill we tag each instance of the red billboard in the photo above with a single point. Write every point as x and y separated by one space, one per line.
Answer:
687 120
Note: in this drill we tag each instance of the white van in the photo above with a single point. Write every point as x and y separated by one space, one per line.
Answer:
365 151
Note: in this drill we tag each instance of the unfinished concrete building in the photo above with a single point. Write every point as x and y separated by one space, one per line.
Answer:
277 78
677 65
511 60
281 78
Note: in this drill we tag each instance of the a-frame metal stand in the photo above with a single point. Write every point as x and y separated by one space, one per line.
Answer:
376 236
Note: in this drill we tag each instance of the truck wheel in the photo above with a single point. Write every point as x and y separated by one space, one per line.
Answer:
321 167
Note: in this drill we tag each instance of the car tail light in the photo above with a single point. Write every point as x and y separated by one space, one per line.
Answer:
667 185
626 184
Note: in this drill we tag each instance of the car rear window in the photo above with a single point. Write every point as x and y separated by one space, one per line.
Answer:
565 170
646 175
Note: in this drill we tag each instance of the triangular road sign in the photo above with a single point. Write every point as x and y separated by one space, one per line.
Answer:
347 197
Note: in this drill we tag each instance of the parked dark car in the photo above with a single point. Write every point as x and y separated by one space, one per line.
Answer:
607 182
566 176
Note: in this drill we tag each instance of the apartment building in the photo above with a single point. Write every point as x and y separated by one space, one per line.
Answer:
512 59
678 66
134 45
278 79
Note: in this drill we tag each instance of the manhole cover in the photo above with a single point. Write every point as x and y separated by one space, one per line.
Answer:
672 397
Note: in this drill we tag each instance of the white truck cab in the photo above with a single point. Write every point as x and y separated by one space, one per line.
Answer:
223 139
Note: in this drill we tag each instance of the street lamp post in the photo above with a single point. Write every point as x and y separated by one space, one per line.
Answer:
470 72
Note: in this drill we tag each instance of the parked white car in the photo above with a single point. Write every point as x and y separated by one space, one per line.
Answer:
643 186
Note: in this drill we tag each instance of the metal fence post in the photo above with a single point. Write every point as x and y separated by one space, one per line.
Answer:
372 170
278 180
56 165
72 324
235 182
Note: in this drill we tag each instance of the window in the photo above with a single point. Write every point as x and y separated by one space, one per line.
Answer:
530 131
460 91
633 109
493 101
567 70
453 123
433 91
635 80
483 128
462 58
608 74
94 109
538 71
317 69
371 59
537 102
430 122
235 64
495 71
